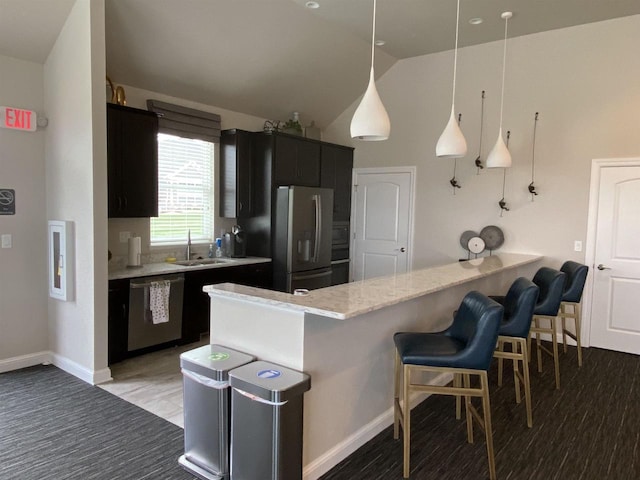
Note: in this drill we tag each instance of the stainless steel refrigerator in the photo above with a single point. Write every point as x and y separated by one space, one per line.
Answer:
303 224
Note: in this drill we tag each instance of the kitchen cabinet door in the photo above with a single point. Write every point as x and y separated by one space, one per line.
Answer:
336 168
296 162
236 174
118 320
132 156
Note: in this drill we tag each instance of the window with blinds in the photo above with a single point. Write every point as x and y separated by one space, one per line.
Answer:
185 191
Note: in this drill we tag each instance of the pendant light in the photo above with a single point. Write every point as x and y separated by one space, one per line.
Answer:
499 157
370 121
451 143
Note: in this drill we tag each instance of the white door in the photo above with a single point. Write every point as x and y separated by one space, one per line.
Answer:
615 312
382 219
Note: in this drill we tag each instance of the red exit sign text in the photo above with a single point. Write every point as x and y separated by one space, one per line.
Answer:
18 119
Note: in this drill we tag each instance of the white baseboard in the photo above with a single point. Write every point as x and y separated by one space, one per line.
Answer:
83 373
24 361
342 450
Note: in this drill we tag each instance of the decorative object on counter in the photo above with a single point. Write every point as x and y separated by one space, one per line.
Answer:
478 161
292 126
493 237
451 143
499 157
454 182
502 203
116 94
532 187
370 120
476 245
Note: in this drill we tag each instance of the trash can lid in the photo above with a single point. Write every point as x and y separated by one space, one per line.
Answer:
269 381
214 361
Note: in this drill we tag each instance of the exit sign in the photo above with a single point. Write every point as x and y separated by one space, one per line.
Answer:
18 119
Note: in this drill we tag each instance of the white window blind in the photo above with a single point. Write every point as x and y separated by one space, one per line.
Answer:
185 191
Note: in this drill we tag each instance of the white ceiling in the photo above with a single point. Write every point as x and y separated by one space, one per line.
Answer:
272 57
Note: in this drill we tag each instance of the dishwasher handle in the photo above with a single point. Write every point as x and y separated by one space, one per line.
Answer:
134 284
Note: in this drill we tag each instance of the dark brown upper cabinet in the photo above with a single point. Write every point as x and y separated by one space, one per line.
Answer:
296 161
236 174
132 158
335 172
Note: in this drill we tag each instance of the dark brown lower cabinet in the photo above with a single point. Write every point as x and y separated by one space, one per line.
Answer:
195 311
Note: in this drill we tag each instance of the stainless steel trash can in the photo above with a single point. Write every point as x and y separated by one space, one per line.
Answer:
266 422
205 373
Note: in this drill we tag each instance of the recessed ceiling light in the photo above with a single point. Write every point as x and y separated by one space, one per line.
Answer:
476 21
379 43
313 5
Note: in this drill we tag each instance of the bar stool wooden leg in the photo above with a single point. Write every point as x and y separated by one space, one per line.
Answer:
516 378
486 410
576 312
527 382
396 396
556 359
563 312
406 421
467 407
500 361
538 346
457 382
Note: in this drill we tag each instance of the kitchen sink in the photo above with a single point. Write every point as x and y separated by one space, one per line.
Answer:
200 262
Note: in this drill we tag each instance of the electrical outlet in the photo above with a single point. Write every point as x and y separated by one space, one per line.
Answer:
6 240
577 246
124 237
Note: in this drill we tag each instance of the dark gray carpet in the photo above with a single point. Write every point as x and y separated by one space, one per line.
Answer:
54 426
590 429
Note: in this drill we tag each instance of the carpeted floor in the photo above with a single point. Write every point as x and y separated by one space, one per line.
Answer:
55 427
590 429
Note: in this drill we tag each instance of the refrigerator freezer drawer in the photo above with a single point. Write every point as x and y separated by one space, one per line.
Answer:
310 280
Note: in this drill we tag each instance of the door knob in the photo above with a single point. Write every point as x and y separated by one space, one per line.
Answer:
401 249
602 267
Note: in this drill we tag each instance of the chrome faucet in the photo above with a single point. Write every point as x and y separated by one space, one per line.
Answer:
188 255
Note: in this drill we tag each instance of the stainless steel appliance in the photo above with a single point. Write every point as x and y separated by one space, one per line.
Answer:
302 247
143 332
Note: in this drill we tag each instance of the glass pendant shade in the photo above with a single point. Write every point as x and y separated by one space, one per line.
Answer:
451 143
499 157
370 121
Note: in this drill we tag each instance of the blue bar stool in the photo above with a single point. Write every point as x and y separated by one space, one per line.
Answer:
551 284
576 277
519 304
465 348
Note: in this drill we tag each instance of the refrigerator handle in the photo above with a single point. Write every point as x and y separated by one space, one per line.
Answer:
316 245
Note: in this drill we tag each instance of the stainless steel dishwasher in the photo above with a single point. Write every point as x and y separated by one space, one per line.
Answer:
143 332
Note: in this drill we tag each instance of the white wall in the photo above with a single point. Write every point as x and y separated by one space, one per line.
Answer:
23 268
584 83
76 179
137 98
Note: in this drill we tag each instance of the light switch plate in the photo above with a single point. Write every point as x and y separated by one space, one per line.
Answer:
577 246
6 240
124 237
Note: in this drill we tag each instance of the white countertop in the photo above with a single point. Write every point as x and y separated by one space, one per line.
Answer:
352 299
165 267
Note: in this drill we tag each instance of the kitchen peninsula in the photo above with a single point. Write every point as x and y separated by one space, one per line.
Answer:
342 337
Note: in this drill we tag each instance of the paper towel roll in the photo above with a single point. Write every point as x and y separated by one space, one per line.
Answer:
135 245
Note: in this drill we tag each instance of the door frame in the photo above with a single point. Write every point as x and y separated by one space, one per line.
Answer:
592 223
411 170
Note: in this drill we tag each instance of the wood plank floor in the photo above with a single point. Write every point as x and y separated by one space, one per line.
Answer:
153 382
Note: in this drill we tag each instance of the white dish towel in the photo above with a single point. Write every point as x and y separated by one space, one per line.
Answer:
159 301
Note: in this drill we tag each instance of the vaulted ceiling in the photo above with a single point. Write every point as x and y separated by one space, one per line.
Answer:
272 57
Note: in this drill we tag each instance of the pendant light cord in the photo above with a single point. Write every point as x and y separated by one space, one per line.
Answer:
373 35
533 148
481 124
504 68
455 55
